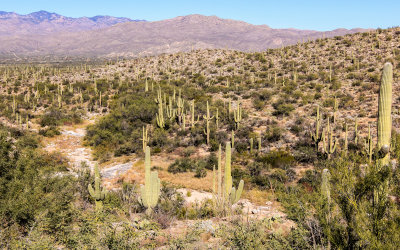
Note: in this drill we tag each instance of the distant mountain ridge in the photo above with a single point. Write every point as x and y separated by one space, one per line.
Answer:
43 22
44 33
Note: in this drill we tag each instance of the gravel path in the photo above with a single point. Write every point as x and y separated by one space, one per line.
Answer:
70 144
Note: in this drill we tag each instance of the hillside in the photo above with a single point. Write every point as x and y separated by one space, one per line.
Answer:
96 38
258 110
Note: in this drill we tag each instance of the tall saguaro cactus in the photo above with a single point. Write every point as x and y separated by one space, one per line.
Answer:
346 141
369 147
150 191
208 118
330 145
317 136
326 194
97 193
160 116
237 115
192 115
226 195
145 138
228 176
231 193
385 114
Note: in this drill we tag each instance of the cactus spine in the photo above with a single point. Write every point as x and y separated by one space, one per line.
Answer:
150 191
97 193
384 114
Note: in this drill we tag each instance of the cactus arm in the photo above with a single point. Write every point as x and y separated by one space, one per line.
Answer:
239 191
91 191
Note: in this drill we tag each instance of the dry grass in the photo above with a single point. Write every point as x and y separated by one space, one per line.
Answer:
258 197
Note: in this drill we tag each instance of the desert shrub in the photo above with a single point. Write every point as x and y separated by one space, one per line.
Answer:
258 235
282 108
55 117
182 165
273 133
35 189
277 159
200 172
50 131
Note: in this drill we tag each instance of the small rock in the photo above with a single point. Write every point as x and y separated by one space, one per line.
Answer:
254 211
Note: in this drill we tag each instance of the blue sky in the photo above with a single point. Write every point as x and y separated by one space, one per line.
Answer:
306 14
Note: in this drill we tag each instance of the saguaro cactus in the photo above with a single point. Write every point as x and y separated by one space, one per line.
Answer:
326 194
235 194
330 146
356 132
158 100
335 110
207 118
97 193
192 115
346 142
217 182
228 177
150 191
160 116
145 139
217 119
384 114
369 147
317 137
180 112
231 193
325 185
233 139
237 115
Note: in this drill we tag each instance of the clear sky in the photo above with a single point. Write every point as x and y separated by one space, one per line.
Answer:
306 14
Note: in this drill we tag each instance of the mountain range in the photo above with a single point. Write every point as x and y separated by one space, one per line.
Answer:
43 33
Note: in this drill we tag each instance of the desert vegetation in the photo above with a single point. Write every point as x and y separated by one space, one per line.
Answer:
289 148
